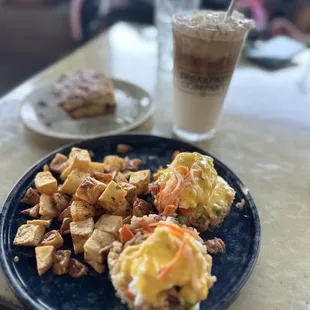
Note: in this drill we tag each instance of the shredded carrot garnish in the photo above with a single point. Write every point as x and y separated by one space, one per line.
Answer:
182 169
125 234
185 212
147 235
202 174
175 228
160 195
129 295
145 225
170 209
164 272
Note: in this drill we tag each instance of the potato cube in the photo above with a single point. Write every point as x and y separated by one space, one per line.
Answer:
90 190
32 212
53 238
112 196
141 208
109 224
65 213
141 180
131 191
31 197
113 163
97 266
119 177
82 228
65 226
61 262
95 166
65 173
29 235
80 232
59 163
61 201
73 181
81 210
78 243
77 269
102 177
124 209
80 160
97 246
44 223
45 258
47 207
45 183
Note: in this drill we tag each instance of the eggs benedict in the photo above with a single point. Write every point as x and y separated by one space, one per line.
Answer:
170 269
191 189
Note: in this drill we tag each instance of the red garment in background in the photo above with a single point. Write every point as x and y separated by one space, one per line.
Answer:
257 9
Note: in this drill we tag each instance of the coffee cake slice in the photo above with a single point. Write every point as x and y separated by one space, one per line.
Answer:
85 93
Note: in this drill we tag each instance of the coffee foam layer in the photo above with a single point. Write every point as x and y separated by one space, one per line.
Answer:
207 24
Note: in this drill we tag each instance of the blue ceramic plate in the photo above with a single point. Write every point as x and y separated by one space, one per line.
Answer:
240 231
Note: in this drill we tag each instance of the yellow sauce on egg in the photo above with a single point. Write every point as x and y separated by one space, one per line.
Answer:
191 272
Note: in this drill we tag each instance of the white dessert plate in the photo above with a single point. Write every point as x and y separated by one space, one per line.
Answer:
40 113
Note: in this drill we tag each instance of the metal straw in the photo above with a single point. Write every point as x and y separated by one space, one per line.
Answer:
230 9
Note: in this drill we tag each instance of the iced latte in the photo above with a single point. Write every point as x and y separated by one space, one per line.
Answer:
206 50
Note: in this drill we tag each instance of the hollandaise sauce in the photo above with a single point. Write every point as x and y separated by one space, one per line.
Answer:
171 257
187 183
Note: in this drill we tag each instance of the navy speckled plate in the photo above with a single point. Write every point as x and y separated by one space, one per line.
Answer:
240 231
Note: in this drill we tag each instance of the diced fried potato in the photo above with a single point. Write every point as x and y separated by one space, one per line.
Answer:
45 183
109 224
46 168
119 177
61 201
31 197
102 177
81 210
65 173
95 166
97 266
141 180
32 212
80 160
53 238
113 163
45 258
29 235
61 262
65 226
97 246
65 213
44 223
77 269
59 163
112 196
82 228
141 208
90 190
132 164
80 232
131 191
127 174
73 181
78 243
123 148
47 207
124 209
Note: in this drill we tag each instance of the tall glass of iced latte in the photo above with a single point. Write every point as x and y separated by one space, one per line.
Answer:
206 49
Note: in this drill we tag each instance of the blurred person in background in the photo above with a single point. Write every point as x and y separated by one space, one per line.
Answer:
273 17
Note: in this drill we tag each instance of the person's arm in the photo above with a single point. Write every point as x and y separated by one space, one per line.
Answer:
282 26
75 20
